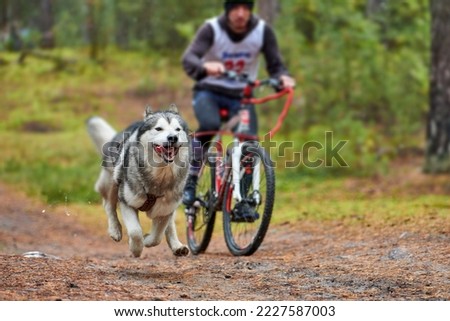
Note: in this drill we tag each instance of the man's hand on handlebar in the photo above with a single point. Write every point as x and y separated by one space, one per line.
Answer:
287 81
217 69
214 68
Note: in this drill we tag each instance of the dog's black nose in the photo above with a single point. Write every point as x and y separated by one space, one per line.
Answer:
172 139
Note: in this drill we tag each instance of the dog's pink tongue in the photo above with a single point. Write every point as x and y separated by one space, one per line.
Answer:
170 153
159 149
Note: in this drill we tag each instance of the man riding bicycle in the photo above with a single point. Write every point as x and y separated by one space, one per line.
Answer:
231 41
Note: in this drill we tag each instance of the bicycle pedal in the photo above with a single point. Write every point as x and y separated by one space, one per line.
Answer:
249 218
244 213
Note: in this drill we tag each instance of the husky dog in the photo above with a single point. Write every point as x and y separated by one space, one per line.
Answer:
144 169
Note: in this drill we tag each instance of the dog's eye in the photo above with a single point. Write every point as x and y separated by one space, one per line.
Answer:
178 129
158 129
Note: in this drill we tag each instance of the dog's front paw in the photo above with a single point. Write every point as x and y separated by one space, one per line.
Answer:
115 232
181 251
136 245
150 240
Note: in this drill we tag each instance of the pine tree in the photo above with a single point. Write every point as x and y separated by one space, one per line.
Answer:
438 126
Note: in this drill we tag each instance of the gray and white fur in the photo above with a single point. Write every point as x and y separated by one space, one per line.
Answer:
145 164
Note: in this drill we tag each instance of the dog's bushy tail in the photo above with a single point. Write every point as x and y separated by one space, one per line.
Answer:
100 132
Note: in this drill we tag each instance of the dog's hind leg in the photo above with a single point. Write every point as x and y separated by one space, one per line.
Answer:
175 245
159 225
131 221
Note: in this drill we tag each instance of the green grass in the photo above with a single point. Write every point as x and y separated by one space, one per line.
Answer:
300 197
58 167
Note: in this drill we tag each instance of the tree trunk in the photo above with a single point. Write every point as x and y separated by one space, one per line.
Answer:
374 6
146 27
122 25
438 127
3 15
92 29
12 27
268 10
48 38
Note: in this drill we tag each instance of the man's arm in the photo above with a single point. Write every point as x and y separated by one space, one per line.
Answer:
191 60
274 63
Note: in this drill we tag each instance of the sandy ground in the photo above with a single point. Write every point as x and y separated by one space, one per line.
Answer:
297 261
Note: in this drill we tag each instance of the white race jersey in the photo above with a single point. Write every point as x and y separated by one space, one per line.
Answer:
241 57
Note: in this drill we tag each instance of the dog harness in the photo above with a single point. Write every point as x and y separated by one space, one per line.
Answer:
149 202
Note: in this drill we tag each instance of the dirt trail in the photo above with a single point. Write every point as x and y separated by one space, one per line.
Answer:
301 261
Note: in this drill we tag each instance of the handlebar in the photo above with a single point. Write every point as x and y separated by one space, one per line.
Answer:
244 78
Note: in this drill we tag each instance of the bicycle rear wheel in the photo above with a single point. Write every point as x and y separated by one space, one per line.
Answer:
245 223
201 216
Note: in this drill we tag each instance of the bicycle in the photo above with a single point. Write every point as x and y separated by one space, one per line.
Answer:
240 182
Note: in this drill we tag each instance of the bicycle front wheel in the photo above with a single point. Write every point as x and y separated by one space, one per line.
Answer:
245 223
201 216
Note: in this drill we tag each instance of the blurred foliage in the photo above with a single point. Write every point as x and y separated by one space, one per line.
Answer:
362 75
164 26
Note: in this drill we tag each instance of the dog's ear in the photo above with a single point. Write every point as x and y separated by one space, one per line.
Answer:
148 111
173 108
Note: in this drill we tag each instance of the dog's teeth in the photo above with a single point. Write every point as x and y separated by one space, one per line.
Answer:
168 152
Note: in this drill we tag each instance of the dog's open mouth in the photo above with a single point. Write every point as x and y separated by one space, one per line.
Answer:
166 151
